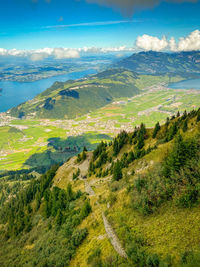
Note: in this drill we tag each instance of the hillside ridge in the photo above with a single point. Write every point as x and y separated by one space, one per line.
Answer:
151 62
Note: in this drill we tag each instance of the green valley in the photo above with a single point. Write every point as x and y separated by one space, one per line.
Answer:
29 142
75 98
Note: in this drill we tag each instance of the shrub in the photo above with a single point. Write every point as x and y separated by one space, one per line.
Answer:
112 198
153 261
188 198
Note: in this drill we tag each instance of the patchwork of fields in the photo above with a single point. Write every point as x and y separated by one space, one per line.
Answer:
56 140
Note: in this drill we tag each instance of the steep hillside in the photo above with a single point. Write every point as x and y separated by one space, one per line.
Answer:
133 201
159 62
74 98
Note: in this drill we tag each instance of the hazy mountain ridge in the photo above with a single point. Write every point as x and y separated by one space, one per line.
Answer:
160 62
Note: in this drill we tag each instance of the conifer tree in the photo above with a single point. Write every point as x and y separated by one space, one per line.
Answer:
185 126
59 217
156 129
117 171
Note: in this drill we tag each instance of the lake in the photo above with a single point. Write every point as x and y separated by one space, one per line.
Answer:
15 93
187 84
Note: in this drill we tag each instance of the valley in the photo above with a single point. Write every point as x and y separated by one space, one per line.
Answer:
22 138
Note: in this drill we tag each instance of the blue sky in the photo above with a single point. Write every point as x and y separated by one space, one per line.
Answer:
27 25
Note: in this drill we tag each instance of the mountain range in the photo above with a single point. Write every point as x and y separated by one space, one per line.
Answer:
152 62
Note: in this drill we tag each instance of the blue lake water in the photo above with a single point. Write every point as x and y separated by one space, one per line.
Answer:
188 84
15 93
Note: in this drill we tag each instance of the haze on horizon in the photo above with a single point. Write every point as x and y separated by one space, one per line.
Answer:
62 29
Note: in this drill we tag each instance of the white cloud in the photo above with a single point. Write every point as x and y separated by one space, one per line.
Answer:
105 49
172 44
60 53
188 43
147 42
191 42
38 56
2 51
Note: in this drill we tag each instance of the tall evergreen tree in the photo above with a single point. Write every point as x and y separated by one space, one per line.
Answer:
117 171
185 125
156 130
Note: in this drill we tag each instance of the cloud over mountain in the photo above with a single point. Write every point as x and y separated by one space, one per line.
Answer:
147 42
191 42
188 43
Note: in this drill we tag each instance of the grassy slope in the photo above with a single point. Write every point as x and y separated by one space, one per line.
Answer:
168 231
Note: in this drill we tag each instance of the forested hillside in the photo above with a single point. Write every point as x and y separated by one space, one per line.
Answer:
133 201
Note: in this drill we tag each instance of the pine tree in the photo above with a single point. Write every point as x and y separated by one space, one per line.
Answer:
78 158
184 115
140 143
115 147
117 171
86 209
69 192
185 126
171 132
156 129
177 157
167 122
59 217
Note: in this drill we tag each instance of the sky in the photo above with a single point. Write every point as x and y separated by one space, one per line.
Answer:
66 28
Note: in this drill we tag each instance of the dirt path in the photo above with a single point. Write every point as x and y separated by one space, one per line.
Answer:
113 237
88 189
108 228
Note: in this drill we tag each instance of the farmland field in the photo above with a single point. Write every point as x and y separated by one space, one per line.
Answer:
56 140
